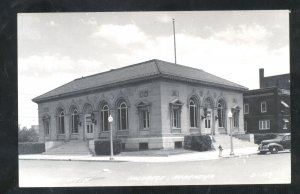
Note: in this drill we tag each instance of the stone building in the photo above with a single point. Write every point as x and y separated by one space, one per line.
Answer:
267 110
154 105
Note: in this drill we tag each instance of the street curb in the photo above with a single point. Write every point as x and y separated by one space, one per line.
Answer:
78 160
133 160
239 155
75 160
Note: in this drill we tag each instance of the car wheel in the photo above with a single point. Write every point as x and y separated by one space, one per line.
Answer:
274 150
263 152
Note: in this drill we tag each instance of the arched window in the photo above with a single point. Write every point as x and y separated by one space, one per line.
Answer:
123 116
61 123
193 113
208 108
75 121
221 114
104 118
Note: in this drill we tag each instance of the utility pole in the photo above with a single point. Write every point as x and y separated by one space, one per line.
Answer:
174 39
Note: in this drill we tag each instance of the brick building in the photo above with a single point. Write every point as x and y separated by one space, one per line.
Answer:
267 110
280 81
153 103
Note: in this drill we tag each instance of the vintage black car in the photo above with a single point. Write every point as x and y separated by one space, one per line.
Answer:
280 143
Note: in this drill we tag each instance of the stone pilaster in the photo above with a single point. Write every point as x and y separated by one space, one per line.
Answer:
97 125
67 127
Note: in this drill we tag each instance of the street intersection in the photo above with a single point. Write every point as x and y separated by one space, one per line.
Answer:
245 169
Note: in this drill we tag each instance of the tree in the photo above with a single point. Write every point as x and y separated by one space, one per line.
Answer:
27 135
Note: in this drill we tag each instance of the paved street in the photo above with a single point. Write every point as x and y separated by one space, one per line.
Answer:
253 169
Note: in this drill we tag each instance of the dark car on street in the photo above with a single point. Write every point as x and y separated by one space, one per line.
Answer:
280 143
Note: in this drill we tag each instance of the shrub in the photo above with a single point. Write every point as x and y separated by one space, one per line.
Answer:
102 147
28 135
197 142
31 148
258 138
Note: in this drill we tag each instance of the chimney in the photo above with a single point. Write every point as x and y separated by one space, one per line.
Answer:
261 77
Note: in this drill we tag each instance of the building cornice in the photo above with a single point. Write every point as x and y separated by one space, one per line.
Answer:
259 95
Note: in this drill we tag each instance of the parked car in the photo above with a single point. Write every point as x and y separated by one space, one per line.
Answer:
280 143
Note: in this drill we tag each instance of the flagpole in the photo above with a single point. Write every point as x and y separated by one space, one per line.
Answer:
174 39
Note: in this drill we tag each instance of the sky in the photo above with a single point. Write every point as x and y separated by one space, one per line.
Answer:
56 48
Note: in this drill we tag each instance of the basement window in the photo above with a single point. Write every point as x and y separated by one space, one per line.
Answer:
178 144
143 146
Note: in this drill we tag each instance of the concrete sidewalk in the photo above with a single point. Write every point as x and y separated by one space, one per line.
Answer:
195 156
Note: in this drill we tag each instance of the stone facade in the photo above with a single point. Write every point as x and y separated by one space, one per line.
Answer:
160 97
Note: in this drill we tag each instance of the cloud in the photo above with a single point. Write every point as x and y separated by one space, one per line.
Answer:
244 34
92 21
29 34
214 55
30 87
120 34
165 19
41 65
89 21
38 74
26 27
48 64
51 23
234 53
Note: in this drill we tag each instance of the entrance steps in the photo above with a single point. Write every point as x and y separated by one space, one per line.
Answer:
224 141
72 147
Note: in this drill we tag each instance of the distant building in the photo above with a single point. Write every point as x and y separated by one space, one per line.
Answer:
154 105
267 110
280 81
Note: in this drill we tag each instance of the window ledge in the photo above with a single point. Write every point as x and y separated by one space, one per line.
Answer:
194 130
145 129
176 130
124 133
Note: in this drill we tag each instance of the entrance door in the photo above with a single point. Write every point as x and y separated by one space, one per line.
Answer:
89 127
207 122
